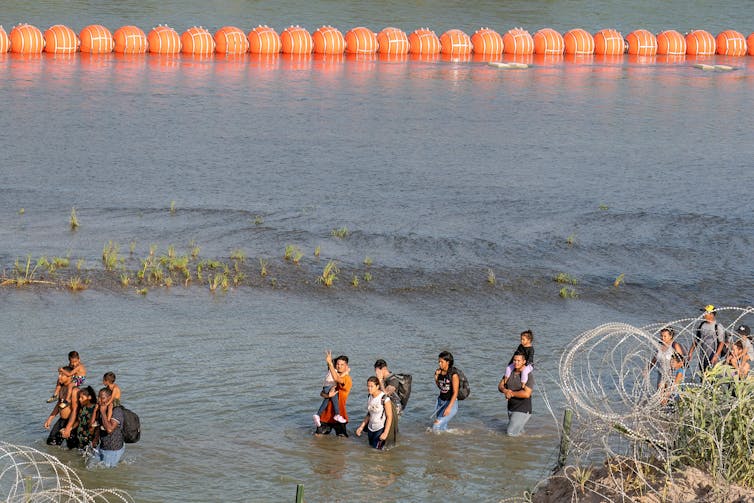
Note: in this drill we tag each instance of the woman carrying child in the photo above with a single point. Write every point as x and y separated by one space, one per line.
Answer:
327 419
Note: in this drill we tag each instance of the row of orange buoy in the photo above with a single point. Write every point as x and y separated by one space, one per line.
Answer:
96 39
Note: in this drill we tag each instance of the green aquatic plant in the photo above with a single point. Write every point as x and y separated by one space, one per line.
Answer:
619 280
340 233
565 278
172 207
142 291
329 274
491 279
168 282
22 274
297 256
110 255
74 221
80 264
571 240
21 211
355 281
262 267
194 250
368 261
604 207
316 251
171 251
568 293
125 280
258 220
367 277
289 251
76 284
238 278
238 255
131 247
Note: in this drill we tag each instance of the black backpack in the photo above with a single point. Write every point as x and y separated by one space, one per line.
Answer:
403 389
464 390
131 426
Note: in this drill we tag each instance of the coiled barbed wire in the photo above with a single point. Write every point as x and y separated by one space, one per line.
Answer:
28 475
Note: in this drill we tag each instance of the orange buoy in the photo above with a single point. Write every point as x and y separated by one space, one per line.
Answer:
198 41
231 40
455 43
264 40
578 42
423 41
671 43
328 40
750 43
609 42
164 40
392 41
731 43
641 43
700 43
296 40
26 39
361 40
518 41
549 41
4 41
130 40
487 41
60 39
96 39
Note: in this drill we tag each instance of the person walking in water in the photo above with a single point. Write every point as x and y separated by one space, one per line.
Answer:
379 418
447 380
332 379
343 388
518 395
710 338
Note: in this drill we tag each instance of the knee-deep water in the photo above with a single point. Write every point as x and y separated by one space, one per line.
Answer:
440 170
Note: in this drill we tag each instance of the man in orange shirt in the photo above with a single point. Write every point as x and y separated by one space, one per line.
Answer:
339 367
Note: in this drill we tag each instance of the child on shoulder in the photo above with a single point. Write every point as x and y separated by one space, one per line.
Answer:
527 349
108 380
331 381
77 375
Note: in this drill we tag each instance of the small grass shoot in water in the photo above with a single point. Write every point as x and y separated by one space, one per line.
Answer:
491 279
355 281
262 267
340 233
258 220
368 261
74 221
316 252
125 280
172 207
565 278
329 274
568 293
21 211
76 284
570 240
367 277
131 247
604 207
142 291
619 280
238 255
110 256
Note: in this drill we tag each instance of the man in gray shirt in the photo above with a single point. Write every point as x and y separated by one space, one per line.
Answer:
711 339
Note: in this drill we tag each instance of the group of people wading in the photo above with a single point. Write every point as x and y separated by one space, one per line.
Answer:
712 345
87 421
388 395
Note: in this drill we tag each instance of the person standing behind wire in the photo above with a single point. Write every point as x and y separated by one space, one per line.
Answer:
710 337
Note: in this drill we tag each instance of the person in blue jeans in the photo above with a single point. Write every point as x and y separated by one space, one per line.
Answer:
447 380
111 446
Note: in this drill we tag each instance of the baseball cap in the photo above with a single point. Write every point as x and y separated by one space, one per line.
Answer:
743 330
709 308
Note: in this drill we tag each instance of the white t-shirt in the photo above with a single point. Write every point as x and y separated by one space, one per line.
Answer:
377 416
329 380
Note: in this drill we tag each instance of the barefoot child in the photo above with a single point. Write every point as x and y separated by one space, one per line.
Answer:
108 380
77 375
331 380
526 347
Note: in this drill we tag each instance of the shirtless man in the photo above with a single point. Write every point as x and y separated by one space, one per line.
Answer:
66 407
